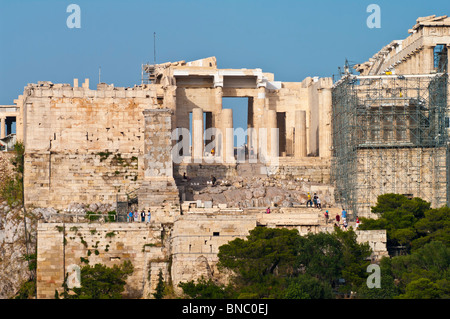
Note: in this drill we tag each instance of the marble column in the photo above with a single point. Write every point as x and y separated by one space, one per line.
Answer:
227 136
428 59
3 126
197 134
272 134
325 139
300 134
259 104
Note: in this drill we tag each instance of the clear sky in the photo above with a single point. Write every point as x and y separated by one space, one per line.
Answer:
292 39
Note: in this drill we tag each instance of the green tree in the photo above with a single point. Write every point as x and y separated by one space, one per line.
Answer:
307 287
159 293
388 289
431 262
102 282
422 288
398 215
272 250
12 190
435 226
321 256
355 257
206 289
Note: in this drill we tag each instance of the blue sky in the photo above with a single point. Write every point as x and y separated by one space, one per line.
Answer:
293 39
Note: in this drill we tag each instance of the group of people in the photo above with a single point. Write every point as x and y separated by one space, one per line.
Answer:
344 219
135 216
314 200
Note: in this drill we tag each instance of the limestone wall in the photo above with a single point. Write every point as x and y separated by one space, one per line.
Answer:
6 167
196 241
376 239
61 245
83 145
184 250
419 172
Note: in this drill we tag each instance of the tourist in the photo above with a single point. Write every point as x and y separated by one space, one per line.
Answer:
268 210
309 201
130 216
338 219
149 215
344 215
136 216
326 217
213 180
315 200
318 203
357 223
142 216
345 225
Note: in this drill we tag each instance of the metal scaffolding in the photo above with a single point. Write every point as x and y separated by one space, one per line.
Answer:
390 136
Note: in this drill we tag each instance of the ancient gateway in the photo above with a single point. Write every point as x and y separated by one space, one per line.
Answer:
156 146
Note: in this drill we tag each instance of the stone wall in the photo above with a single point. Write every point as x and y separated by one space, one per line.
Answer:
56 180
6 167
83 145
61 245
417 172
184 250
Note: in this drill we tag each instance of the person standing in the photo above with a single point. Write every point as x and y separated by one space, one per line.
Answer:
142 216
315 200
345 225
136 216
268 210
357 223
326 217
344 215
149 215
309 201
338 219
130 216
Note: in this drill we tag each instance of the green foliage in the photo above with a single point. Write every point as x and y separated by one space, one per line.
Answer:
320 255
398 215
12 190
91 216
307 287
434 226
267 255
27 290
423 272
355 258
279 263
429 262
103 155
205 290
111 216
388 289
101 282
110 234
32 261
424 288
160 287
